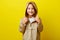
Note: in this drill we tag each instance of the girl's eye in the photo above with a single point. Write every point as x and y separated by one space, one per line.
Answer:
32 8
28 8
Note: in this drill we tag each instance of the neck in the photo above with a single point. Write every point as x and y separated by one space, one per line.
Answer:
30 16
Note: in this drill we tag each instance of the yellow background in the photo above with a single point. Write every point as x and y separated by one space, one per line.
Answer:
11 11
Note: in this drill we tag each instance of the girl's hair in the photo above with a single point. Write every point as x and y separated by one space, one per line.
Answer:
34 6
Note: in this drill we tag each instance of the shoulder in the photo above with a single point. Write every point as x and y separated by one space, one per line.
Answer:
24 18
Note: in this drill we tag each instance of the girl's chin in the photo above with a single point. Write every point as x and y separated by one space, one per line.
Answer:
30 15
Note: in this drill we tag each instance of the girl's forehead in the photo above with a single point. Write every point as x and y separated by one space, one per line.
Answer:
30 5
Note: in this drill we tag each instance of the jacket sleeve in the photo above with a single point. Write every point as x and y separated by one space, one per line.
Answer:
40 26
22 26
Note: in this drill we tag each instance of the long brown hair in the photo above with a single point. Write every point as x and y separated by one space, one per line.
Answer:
34 6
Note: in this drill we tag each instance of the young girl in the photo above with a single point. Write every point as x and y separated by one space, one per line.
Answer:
31 24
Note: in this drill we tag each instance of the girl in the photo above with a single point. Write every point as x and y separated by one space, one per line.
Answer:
31 24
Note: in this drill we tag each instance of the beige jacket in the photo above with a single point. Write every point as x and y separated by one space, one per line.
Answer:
31 31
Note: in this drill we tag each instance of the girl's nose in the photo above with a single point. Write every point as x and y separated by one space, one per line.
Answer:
30 10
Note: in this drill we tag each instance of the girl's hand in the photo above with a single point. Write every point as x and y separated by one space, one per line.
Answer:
25 20
37 19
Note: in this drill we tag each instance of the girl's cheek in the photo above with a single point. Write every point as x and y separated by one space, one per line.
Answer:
27 11
33 11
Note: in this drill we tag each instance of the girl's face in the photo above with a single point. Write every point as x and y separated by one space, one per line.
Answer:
30 10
